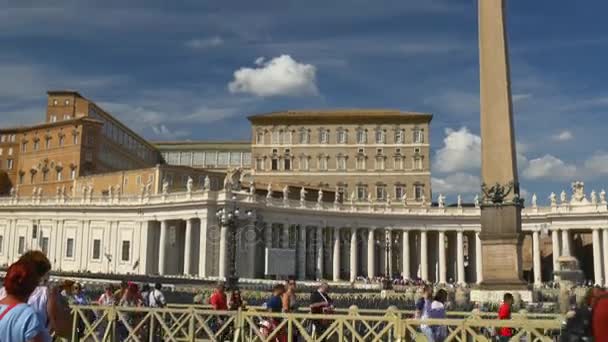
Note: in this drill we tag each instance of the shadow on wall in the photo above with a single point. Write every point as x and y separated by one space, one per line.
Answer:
5 183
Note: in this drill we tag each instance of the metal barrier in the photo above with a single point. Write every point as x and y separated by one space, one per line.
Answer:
195 323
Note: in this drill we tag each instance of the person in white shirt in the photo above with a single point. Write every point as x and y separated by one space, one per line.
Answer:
156 299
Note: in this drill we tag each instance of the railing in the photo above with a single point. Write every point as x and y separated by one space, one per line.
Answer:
196 323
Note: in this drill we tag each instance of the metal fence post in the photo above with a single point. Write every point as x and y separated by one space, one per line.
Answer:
191 332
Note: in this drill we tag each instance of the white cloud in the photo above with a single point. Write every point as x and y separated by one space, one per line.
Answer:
461 151
204 43
279 76
456 183
162 132
563 136
549 167
597 164
521 97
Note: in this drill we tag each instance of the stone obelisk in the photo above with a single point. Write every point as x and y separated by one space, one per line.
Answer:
501 236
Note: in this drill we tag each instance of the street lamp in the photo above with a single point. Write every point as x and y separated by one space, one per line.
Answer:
387 283
230 217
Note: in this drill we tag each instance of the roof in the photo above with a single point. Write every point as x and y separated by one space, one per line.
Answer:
64 92
43 125
342 114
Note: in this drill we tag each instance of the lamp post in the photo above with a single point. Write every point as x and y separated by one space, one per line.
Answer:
229 217
387 283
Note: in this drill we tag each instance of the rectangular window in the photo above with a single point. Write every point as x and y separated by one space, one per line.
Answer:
126 251
48 144
73 174
198 158
379 163
341 137
53 118
35 231
21 175
275 137
360 163
36 145
13 138
398 163
418 192
67 117
246 158
381 193
185 158
138 180
259 164
69 248
44 245
59 176
61 140
75 139
418 136
21 245
304 137
259 138
323 163
96 249
341 163
1 151
399 136
210 158
324 136
9 164
223 158
45 176
379 137
10 151
361 193
275 164
361 137
235 158
304 163
287 164
399 191
3 138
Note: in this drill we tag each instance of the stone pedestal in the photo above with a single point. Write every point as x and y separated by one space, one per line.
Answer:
501 242
496 296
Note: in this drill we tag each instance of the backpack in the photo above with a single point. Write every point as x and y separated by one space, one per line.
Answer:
578 327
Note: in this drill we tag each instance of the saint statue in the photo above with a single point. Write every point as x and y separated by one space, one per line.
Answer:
593 197
441 201
189 184
285 193
534 200
562 197
302 194
476 200
320 196
459 201
603 196
553 199
207 183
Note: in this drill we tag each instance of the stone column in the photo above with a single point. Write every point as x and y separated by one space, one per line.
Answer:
223 257
285 235
605 251
597 257
424 257
442 261
555 250
536 258
320 257
267 236
336 258
405 254
566 243
460 257
478 258
162 247
188 246
389 235
353 254
301 250
371 253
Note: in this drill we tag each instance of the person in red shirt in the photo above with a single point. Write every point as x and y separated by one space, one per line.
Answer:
218 299
504 312
599 303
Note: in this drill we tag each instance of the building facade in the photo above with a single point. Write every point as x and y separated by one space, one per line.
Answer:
178 233
362 154
217 155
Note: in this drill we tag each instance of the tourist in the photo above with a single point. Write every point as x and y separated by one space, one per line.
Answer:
156 299
120 292
52 310
19 322
599 303
145 293
235 302
78 296
218 299
437 311
289 297
275 302
107 297
131 298
504 312
320 303
423 306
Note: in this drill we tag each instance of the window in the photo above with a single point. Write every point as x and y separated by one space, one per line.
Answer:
48 143
417 163
399 191
35 231
259 164
67 117
126 251
59 176
137 180
44 245
10 151
398 163
323 163
13 137
223 158
21 246
32 178
2 138
303 163
342 138
61 140
9 164
381 193
380 136
361 192
75 139
275 164
73 174
96 249
275 137
304 136
69 248
361 136
45 175
36 145
67 102
53 118
259 138
323 136
379 163
418 191
399 136
341 163
418 136
1 151
21 177
360 163
287 164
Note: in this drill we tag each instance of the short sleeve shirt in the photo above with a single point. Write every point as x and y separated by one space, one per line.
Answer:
317 297
218 301
38 301
20 324
274 304
504 312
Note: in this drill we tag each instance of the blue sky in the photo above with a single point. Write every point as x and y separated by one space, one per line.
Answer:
197 69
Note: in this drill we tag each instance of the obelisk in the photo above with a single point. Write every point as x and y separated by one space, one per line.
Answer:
501 236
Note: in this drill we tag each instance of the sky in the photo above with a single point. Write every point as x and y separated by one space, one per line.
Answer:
196 69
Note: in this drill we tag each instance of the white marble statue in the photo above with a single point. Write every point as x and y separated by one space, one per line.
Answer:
320 196
370 199
189 184
207 183
353 196
12 193
476 200
593 197
388 200
303 194
285 193
58 192
603 196
336 196
404 199
165 186
117 190
90 192
459 201
553 199
441 201
34 191
149 189
252 188
534 200
39 192
111 192
563 197
63 194
578 192
423 200
269 190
